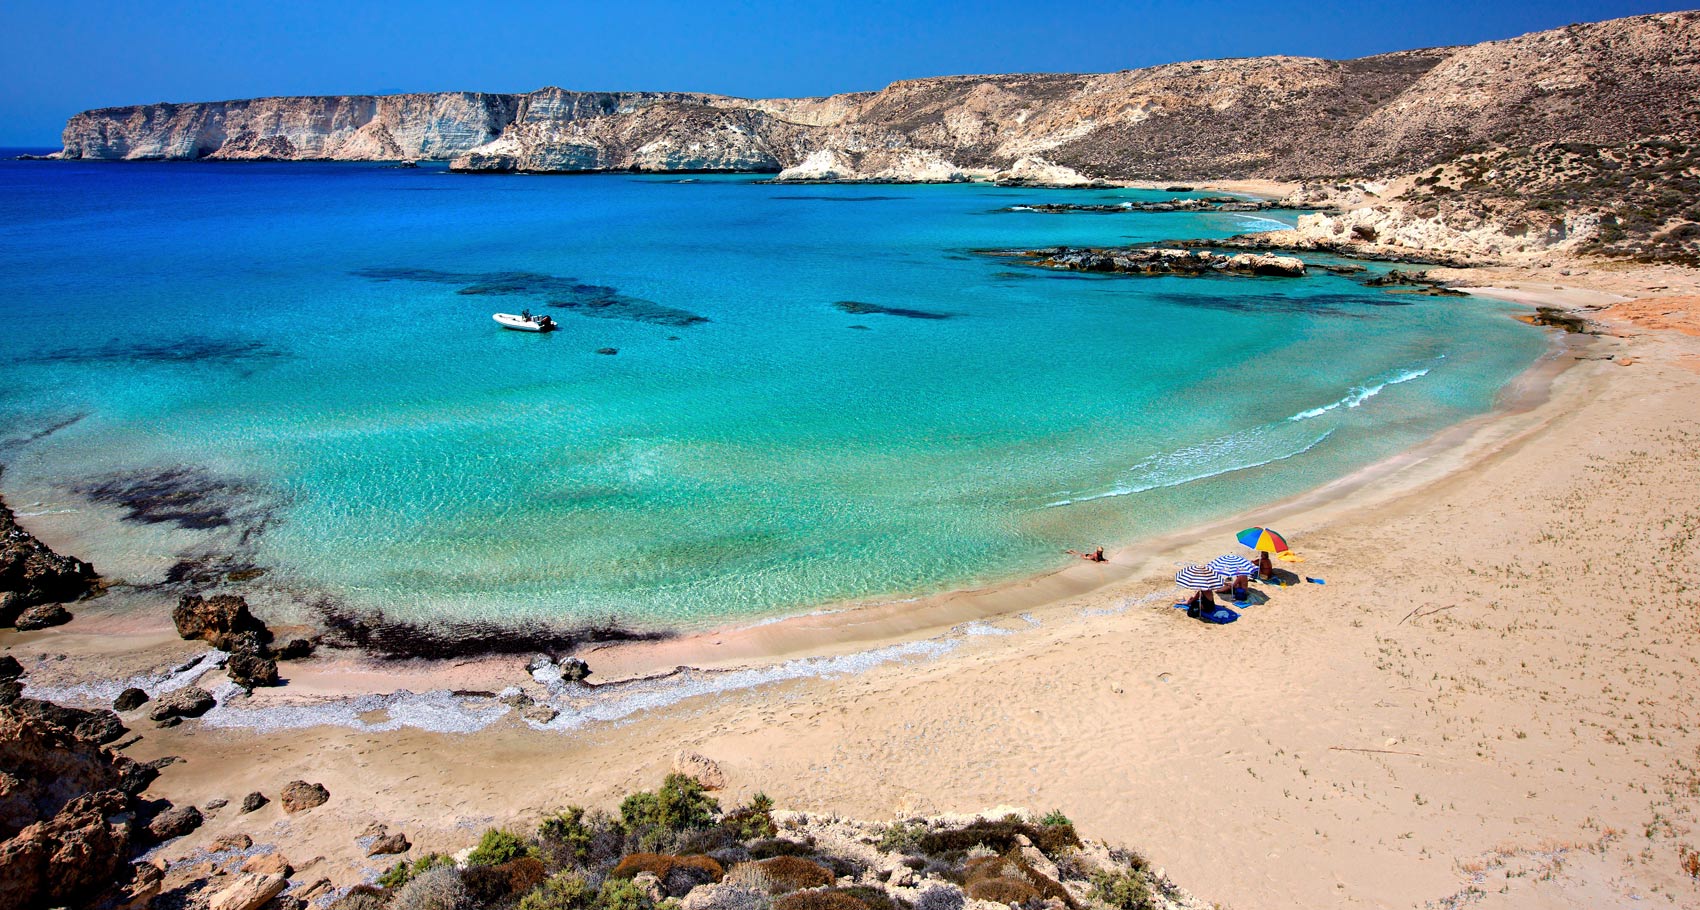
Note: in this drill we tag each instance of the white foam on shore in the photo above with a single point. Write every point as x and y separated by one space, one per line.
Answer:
102 693
1360 394
1195 477
444 712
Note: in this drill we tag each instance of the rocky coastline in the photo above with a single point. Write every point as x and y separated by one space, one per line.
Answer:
1159 261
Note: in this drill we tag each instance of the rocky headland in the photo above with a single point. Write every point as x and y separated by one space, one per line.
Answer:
1572 140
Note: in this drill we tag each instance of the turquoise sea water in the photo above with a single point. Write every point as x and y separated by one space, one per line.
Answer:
287 357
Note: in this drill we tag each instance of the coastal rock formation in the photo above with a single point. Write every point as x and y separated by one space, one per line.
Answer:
32 574
1281 117
42 616
221 620
69 817
1161 261
1577 138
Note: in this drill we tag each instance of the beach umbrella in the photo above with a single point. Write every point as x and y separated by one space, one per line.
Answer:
1263 540
1232 564
1199 578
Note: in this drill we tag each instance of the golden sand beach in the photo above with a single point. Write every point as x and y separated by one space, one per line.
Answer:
1490 702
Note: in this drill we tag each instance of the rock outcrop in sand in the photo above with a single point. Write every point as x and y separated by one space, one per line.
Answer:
69 814
32 575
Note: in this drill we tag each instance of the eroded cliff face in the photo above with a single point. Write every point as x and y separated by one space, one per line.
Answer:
1623 86
337 128
1275 117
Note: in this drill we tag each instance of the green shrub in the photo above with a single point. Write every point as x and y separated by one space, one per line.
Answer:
621 894
1054 817
752 821
498 846
403 872
563 891
680 805
1122 890
901 837
573 836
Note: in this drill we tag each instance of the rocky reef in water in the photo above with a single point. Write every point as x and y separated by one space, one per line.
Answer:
1160 261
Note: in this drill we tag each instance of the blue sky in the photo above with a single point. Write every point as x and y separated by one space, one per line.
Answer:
57 58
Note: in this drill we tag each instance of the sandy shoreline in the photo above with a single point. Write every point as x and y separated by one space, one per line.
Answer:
1487 694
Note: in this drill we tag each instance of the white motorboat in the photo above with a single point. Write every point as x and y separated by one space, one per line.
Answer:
524 322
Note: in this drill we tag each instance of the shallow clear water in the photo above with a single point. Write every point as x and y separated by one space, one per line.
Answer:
295 342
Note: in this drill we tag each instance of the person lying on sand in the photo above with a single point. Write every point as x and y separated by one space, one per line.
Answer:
1094 556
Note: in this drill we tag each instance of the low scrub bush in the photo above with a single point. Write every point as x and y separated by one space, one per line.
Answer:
818 900
363 897
779 846
752 821
1122 890
901 837
663 866
497 883
680 804
561 891
1000 836
998 875
876 898
401 873
434 889
790 873
498 846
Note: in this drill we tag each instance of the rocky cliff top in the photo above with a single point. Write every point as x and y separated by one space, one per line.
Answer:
1388 117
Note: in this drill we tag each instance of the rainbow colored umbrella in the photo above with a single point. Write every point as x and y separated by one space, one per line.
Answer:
1262 540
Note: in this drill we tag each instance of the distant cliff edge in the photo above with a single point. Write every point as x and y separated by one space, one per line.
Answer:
1585 99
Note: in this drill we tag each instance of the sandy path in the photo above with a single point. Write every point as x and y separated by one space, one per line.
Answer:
1491 698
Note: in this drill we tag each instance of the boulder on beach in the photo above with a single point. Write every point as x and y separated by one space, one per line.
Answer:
249 891
700 768
218 620
253 801
130 699
174 822
249 669
10 668
299 796
388 844
189 701
42 616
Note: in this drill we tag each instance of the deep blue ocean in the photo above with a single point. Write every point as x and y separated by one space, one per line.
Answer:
819 393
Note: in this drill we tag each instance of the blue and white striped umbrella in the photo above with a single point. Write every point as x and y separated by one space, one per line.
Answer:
1233 564
1199 578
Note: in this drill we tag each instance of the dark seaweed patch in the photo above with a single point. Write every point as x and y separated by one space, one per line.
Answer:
380 636
842 198
859 308
37 435
1347 305
211 569
218 351
596 300
185 497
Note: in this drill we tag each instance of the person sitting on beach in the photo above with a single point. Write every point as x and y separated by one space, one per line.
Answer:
1265 568
1096 555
